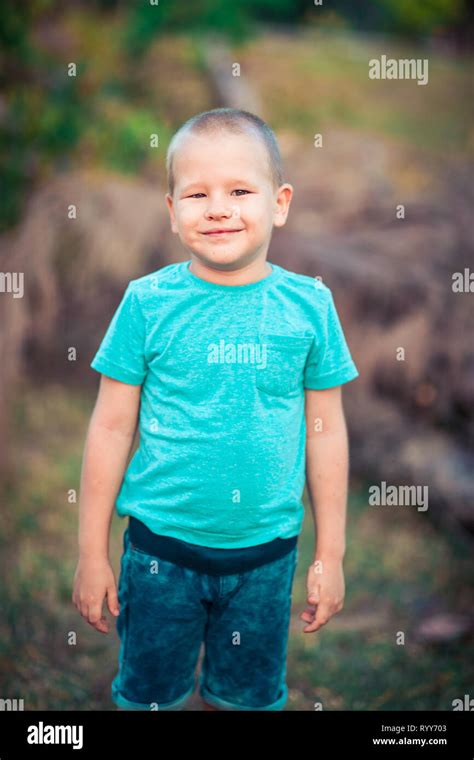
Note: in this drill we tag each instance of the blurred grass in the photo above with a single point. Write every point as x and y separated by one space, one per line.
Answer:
396 564
397 567
320 79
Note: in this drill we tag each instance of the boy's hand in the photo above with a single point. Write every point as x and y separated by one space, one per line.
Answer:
94 580
325 586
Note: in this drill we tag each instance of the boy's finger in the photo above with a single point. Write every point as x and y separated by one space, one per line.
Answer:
101 625
321 619
112 600
96 619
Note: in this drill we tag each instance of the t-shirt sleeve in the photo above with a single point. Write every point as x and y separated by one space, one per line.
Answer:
121 354
329 362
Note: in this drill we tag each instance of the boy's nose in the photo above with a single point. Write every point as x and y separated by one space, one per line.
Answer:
218 210
226 212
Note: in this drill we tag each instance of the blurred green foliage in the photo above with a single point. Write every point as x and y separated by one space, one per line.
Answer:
43 113
42 121
120 134
237 20
403 17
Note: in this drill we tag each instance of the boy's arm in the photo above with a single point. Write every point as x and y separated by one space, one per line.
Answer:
109 440
327 466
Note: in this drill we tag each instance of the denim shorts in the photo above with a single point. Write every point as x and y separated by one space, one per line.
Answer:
167 611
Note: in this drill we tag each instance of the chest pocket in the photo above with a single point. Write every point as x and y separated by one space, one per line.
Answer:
283 357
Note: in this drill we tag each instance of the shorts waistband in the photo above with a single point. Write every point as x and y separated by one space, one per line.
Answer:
204 559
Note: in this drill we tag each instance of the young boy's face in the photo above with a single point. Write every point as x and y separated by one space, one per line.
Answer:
223 182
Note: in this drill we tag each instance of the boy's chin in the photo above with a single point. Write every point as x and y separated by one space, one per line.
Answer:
222 260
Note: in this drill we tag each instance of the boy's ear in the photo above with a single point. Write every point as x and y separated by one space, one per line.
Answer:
169 203
283 200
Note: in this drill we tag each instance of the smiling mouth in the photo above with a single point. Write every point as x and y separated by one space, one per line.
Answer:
221 232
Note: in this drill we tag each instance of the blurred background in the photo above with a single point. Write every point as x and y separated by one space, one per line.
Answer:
84 140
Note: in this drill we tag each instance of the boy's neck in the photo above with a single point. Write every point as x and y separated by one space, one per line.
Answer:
246 275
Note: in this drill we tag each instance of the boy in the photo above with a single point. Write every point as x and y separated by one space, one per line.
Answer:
234 367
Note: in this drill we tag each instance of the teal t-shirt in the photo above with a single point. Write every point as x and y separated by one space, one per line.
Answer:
223 368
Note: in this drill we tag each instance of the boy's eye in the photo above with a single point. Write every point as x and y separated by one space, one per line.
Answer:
239 190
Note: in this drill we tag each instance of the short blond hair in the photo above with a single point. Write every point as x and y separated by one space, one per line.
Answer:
232 120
